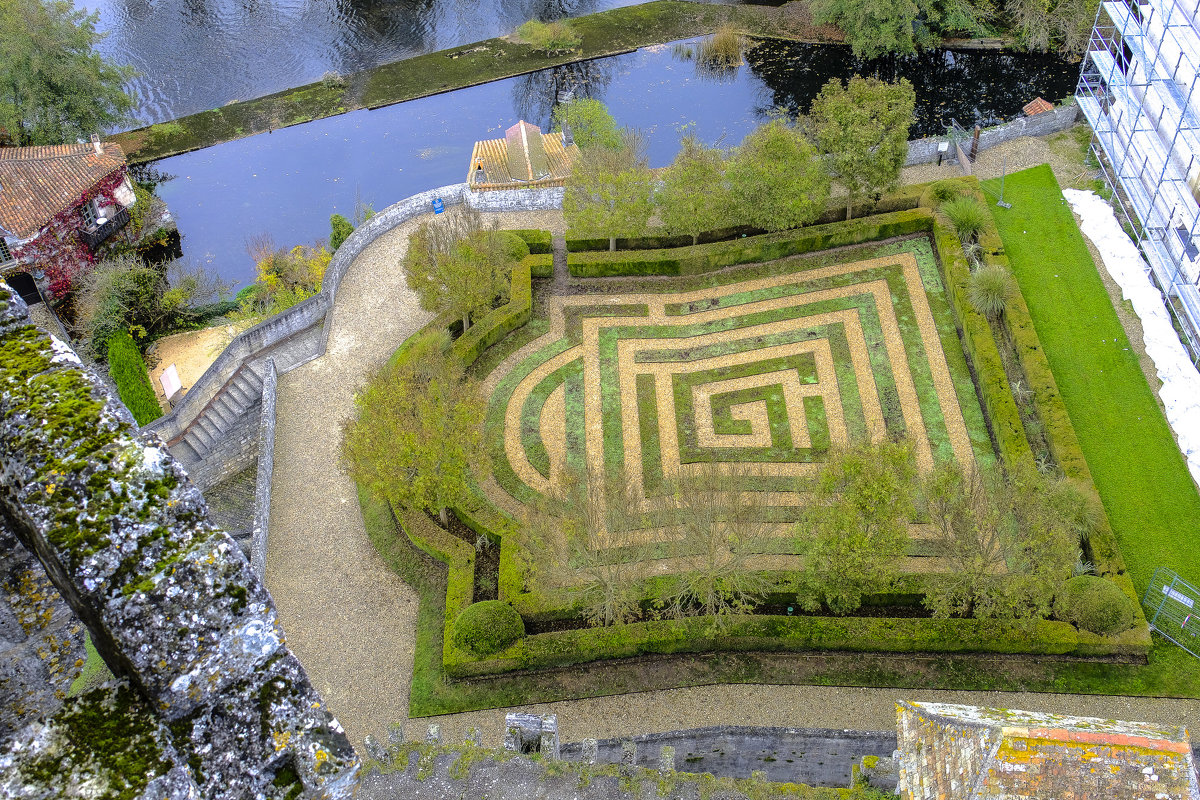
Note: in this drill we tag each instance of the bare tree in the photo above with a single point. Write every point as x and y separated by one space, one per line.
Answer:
716 521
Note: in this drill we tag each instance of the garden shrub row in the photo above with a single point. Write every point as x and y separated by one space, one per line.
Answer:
792 634
904 199
997 394
540 242
698 259
129 373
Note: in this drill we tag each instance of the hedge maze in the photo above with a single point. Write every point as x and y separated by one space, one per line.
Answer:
758 376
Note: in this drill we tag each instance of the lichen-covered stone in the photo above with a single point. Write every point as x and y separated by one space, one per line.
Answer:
171 603
41 640
105 744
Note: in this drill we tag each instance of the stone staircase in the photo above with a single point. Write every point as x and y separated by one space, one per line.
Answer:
241 393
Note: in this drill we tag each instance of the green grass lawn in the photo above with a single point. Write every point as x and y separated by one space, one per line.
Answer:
1148 494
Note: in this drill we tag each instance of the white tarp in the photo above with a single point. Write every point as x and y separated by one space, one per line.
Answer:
1180 392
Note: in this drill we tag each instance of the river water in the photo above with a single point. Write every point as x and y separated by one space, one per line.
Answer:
287 183
194 55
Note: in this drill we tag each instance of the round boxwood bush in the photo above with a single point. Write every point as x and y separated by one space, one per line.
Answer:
1095 604
487 627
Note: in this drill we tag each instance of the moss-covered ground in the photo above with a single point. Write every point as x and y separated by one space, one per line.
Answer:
606 33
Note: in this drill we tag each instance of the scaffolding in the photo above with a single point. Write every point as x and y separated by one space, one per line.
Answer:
1137 89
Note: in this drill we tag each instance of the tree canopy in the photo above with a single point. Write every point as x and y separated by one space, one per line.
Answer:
56 87
776 180
862 127
458 264
418 431
693 197
854 532
610 192
591 124
876 27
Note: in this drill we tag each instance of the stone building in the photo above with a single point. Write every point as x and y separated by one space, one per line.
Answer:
59 204
951 751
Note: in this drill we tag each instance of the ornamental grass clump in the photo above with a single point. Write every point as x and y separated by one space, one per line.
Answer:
721 50
989 288
967 216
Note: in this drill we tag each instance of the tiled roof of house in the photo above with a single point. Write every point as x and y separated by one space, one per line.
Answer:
524 158
1037 106
38 182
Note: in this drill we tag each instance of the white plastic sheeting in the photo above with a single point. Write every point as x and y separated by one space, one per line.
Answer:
1180 391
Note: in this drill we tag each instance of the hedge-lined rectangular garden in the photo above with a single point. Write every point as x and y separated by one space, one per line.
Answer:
955 638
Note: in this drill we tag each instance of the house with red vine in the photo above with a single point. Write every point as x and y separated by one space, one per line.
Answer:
61 207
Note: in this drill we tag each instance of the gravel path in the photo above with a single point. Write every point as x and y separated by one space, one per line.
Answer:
849 708
348 618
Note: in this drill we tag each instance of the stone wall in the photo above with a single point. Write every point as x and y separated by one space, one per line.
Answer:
211 703
925 151
266 471
234 452
950 751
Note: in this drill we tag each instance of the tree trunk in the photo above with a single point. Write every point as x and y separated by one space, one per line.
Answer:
444 518
695 239
466 322
849 207
612 244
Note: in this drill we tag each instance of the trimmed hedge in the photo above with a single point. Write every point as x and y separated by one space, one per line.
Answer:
487 627
540 242
1095 605
129 373
904 199
698 259
793 634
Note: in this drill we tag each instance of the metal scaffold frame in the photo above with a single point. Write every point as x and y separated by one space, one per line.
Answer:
1138 90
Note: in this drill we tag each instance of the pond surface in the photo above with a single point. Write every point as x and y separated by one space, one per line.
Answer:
194 55
287 183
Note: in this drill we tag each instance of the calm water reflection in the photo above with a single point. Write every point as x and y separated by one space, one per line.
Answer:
194 55
287 183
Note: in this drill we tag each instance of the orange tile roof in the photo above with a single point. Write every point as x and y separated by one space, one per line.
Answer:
38 182
1037 106
494 155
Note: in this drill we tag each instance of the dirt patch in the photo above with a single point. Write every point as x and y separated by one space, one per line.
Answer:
192 352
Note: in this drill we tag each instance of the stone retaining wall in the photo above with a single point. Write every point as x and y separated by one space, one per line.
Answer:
266 471
925 151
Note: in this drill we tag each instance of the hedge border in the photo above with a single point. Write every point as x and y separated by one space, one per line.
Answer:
1048 402
128 371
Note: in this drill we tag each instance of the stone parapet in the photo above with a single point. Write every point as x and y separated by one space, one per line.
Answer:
171 604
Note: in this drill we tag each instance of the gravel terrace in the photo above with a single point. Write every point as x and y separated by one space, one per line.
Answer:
351 620
348 618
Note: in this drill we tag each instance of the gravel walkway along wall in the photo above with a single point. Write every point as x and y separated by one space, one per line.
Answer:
347 616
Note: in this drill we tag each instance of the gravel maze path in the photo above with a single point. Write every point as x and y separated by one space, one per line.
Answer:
350 619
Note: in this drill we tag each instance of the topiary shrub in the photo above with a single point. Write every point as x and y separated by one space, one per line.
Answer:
487 627
1096 605
989 288
967 215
